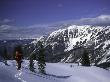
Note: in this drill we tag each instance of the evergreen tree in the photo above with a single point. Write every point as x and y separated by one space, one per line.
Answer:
85 59
41 59
5 56
31 64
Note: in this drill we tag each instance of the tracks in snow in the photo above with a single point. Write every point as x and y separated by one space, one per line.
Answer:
18 75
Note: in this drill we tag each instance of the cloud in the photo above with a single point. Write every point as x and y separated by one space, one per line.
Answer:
8 31
101 20
14 32
4 27
6 21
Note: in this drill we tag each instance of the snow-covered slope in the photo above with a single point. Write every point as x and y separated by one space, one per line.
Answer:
56 72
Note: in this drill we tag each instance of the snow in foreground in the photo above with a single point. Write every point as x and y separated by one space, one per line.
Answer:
56 72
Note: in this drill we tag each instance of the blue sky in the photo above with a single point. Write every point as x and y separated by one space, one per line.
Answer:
28 13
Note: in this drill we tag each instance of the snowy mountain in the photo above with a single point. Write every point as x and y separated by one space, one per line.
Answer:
67 44
63 49
55 72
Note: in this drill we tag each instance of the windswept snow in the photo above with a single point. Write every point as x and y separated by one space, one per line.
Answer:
56 72
7 74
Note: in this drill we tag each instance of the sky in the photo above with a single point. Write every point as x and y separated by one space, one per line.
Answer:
25 14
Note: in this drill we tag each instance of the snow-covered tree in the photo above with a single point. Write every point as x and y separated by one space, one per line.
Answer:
5 56
31 62
41 59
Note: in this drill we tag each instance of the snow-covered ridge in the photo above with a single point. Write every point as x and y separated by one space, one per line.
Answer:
73 27
74 33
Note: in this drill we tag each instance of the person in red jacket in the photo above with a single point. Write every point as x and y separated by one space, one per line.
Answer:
18 58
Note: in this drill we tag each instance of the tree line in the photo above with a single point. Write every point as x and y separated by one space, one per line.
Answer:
39 56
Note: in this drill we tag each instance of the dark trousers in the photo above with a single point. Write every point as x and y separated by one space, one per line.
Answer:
19 65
